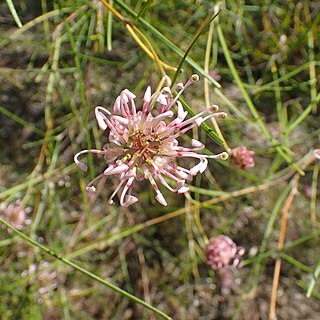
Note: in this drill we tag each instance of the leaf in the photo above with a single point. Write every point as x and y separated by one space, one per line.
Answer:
14 13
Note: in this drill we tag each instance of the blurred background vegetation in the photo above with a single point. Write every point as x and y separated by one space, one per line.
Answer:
261 59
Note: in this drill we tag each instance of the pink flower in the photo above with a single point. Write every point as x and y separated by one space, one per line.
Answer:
222 252
243 157
144 144
15 214
43 279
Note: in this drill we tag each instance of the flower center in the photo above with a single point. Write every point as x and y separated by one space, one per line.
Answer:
143 148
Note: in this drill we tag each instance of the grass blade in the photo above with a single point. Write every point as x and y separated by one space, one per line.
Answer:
14 13
84 271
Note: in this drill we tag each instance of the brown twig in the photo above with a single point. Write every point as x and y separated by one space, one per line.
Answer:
134 31
276 276
283 228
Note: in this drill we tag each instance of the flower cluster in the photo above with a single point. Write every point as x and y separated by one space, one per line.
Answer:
242 157
15 214
222 252
43 279
143 144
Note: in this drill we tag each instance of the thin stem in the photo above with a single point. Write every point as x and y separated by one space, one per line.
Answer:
170 44
206 85
145 6
313 201
150 52
21 121
113 10
283 228
224 197
84 271
276 276
303 115
133 30
281 110
202 27
309 158
191 240
314 280
209 131
259 265
14 13
250 104
312 66
109 28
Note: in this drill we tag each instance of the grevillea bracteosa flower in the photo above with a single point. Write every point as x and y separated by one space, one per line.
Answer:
243 158
144 144
222 252
16 214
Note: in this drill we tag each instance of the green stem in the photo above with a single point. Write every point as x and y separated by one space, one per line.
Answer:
33 23
303 115
145 7
209 131
250 104
295 262
203 26
170 44
84 271
314 280
109 28
14 13
21 121
216 90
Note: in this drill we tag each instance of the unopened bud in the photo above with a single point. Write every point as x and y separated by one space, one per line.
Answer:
214 108
195 78
222 115
224 156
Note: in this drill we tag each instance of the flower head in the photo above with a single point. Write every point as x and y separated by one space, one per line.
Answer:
222 252
44 280
15 214
243 157
144 144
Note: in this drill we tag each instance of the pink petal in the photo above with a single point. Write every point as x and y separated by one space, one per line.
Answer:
116 106
147 95
121 120
129 94
197 144
101 119
129 200
183 189
115 169
159 197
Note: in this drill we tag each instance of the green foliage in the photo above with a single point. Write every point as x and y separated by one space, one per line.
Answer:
261 64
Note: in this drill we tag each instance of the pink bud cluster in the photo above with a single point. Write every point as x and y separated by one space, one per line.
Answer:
42 278
242 157
15 214
144 144
222 252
